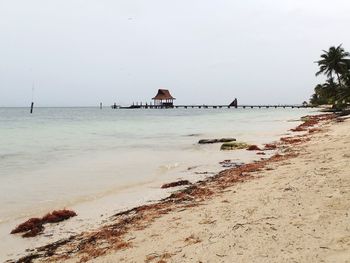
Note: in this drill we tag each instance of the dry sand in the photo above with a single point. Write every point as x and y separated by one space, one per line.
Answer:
296 212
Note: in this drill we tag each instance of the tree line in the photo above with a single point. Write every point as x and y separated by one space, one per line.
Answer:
335 65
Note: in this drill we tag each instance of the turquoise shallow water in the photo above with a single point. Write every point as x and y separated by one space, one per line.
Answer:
60 156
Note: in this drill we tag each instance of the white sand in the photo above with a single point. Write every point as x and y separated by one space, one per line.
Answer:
298 212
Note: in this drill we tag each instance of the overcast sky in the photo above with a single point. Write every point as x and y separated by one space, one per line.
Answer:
81 52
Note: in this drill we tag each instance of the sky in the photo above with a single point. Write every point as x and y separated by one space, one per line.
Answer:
83 52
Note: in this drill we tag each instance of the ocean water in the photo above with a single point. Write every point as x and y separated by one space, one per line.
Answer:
58 157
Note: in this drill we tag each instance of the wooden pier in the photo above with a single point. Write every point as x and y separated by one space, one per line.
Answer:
164 100
146 106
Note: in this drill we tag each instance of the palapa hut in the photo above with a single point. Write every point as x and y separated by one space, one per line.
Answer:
164 98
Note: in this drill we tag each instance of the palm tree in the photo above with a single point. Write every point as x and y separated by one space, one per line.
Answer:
335 60
318 98
329 91
326 93
344 91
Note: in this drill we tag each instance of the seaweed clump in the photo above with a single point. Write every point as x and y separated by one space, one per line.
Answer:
174 184
253 148
234 146
35 226
270 146
311 121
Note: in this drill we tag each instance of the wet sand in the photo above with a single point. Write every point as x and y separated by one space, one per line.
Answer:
292 207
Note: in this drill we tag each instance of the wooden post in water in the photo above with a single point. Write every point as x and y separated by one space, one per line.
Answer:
31 107
100 105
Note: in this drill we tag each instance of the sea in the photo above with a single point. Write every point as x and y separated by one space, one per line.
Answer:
72 157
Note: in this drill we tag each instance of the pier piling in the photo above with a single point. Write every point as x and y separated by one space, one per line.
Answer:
31 107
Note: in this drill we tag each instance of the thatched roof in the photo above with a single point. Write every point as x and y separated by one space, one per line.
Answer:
163 94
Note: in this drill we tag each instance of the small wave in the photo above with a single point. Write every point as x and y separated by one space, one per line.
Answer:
168 167
46 201
193 135
9 155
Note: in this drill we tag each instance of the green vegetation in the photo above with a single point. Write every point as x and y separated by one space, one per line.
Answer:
234 146
335 65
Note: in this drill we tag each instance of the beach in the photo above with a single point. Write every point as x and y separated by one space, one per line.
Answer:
295 211
89 160
102 162
170 131
291 207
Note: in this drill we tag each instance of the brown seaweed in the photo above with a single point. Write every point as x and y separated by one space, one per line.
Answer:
270 146
35 226
175 184
253 148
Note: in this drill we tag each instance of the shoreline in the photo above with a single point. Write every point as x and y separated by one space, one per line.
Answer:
96 209
122 223
75 167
